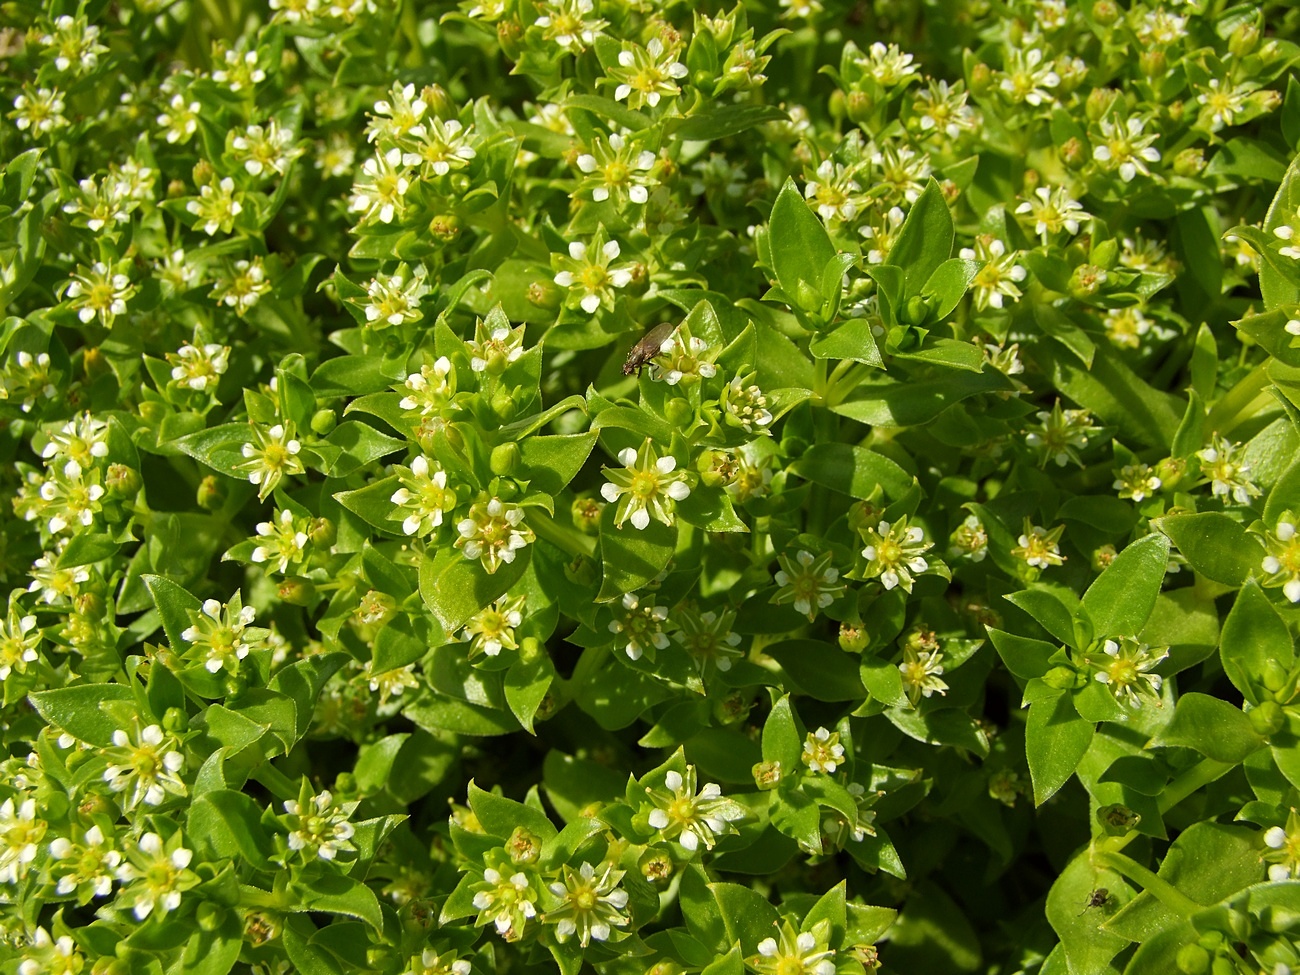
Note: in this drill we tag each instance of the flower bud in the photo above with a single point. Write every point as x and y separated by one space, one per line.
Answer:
1171 471
585 513
1105 13
93 362
981 79
678 412
375 608
323 422
853 637
1193 960
89 604
1153 63
1063 678
445 228
382 958
859 106
1117 819
655 865
439 102
176 189
767 775
211 493
524 846
1087 280
732 709
152 411
1098 104
121 481
1032 180
544 294
1275 677
503 403
203 173
717 468
509 33
296 591
322 531
1244 39
582 571
1103 556
504 460
838 105
639 279
175 721
1267 719
1073 153
806 297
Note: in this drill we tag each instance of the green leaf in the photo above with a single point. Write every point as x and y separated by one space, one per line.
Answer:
359 444
456 588
948 726
1025 657
822 670
782 739
801 248
1212 727
462 717
891 403
499 815
1279 287
1048 611
883 681
700 910
729 964
1253 634
225 823
1215 545
607 108
631 557
320 887
947 286
925 241
1056 739
852 340
855 471
931 934
1088 946
78 710
748 916
728 120
302 682
218 447
1120 599
551 462
174 604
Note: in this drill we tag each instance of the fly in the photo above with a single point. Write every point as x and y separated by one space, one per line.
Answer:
649 347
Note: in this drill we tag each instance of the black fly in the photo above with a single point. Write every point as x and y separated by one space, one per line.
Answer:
1097 898
647 348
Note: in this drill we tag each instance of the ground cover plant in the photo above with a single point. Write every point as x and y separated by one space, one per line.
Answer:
633 486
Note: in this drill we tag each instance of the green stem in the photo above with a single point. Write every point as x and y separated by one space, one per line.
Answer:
1167 893
1235 403
562 537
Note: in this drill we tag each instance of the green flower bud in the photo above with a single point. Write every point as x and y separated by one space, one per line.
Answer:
1117 819
544 294
152 411
1103 556
1153 63
859 105
915 311
585 513
582 571
1073 153
1267 719
382 958
1189 162
1193 960
524 846
838 105
444 228
1063 678
504 460
1105 13
981 79
678 412
89 604
503 402
806 297
655 865
1244 39
732 709
509 35
1275 676
296 591
1171 471
436 97
717 468
202 173
1098 104
211 493
322 531
375 609
1087 280
323 422
93 362
853 637
121 481
1223 966
175 721
767 775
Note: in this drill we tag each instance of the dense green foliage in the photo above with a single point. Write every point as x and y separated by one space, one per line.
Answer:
813 485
